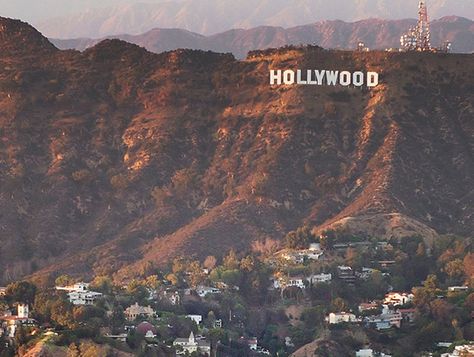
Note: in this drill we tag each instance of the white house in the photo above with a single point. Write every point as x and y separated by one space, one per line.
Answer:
397 298
296 282
340 317
196 318
134 311
84 297
203 291
79 294
370 353
76 287
10 323
385 320
190 345
319 278
458 288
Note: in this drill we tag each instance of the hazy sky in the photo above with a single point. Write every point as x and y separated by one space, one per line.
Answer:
38 10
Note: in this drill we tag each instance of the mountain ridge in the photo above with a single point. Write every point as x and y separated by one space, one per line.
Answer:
214 16
375 33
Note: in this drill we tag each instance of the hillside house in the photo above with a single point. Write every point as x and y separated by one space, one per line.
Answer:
10 323
341 317
387 319
204 291
319 278
370 353
196 318
367 306
346 274
398 299
191 345
79 294
134 311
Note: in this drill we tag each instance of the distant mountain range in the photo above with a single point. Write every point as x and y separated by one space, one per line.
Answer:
214 16
377 34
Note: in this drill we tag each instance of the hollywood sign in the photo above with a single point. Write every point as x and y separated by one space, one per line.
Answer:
324 78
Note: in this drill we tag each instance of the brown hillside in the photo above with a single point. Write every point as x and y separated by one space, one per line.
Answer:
115 157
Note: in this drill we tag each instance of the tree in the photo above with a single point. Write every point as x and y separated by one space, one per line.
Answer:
21 337
327 239
266 247
138 291
210 262
231 261
153 282
339 305
197 275
73 350
21 292
299 239
469 265
61 313
173 279
103 284
455 270
179 265
64 280
247 264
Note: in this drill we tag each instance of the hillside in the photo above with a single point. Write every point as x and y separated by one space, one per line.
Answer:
115 156
214 16
376 34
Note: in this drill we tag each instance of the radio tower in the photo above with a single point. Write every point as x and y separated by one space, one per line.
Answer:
424 34
419 37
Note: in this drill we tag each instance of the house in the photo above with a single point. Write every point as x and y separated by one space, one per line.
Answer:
84 297
75 287
397 298
122 337
296 282
367 306
190 345
203 291
365 273
171 296
408 315
341 317
218 323
385 320
370 353
146 329
196 318
134 311
253 343
458 288
319 278
463 350
79 294
346 274
11 323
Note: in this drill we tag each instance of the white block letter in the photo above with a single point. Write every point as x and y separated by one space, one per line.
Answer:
275 76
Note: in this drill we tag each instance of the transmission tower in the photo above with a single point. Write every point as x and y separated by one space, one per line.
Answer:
418 38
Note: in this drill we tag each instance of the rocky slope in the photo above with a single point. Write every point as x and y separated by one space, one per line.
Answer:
116 157
376 34
213 16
